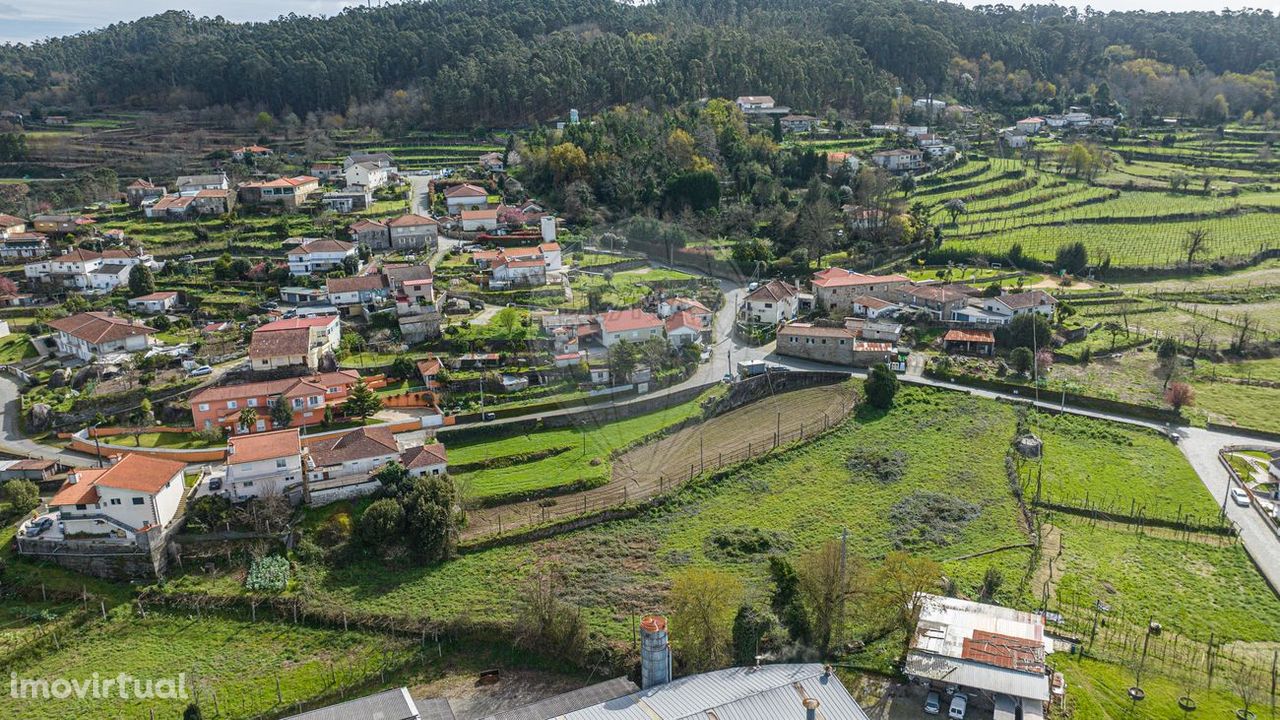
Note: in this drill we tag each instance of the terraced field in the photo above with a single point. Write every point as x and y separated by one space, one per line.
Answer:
1129 213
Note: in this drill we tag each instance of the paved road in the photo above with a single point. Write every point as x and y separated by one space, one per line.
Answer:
13 441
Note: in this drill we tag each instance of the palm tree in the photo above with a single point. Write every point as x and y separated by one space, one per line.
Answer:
248 419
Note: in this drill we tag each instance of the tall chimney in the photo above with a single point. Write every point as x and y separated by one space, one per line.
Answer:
811 708
655 653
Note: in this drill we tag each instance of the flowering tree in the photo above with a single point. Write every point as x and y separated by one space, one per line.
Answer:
1179 395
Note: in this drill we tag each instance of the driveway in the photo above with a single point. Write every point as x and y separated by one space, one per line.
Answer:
13 441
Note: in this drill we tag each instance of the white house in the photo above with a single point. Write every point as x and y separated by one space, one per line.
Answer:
755 103
872 308
191 184
134 494
466 197
1014 304
1029 125
344 465
631 325
294 341
772 303
899 160
425 460
366 176
1014 140
263 464
319 255
683 328
156 302
478 220
84 269
91 335
508 272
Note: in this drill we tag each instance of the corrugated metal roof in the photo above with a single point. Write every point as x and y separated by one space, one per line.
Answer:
387 705
769 692
434 709
554 707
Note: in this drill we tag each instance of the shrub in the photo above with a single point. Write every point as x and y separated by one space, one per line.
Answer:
744 543
208 513
268 574
880 386
23 495
866 463
381 523
925 518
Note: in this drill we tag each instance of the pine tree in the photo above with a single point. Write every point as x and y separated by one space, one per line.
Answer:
363 401
282 414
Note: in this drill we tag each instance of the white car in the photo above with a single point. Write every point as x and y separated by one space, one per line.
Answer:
959 704
201 371
1240 497
932 704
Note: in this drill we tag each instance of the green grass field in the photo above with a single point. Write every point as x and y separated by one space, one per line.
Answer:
16 347
238 659
581 447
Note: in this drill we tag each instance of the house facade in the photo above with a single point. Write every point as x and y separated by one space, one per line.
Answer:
835 289
343 465
413 233
319 255
133 495
307 396
366 176
92 335
899 160
295 342
425 460
466 197
630 325
263 465
772 303
834 345
156 302
290 192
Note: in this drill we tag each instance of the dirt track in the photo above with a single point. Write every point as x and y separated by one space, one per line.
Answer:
656 467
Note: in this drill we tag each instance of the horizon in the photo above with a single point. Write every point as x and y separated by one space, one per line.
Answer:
60 18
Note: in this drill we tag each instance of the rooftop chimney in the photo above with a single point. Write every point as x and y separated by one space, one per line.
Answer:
655 653
811 708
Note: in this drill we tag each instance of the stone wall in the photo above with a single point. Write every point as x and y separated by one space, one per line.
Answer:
148 560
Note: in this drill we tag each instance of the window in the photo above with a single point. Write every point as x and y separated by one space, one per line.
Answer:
139 501
80 506
247 483
204 407
253 402
280 463
313 400
115 501
768 305
232 405
297 402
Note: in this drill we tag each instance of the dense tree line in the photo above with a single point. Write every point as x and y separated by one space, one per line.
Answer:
465 63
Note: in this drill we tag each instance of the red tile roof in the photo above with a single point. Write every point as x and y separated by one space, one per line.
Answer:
811 330
683 319
268 388
837 277
292 323
355 284
362 442
316 245
424 456
98 327
625 320
978 336
162 295
243 449
465 190
138 473
479 214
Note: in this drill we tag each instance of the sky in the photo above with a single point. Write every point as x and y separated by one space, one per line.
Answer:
29 20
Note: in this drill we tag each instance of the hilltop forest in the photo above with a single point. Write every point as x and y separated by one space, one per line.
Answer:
490 63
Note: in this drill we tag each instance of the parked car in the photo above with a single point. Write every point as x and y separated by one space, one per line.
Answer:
201 371
727 379
39 526
933 703
959 704
1240 497
215 484
186 258
488 416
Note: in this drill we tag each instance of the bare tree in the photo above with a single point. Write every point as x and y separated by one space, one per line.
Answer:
1196 335
1194 243
1247 326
